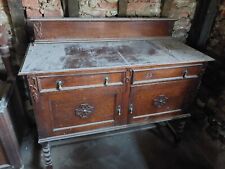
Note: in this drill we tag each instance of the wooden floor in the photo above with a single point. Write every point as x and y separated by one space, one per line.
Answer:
152 149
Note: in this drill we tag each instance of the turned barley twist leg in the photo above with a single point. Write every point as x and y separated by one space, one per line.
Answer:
47 155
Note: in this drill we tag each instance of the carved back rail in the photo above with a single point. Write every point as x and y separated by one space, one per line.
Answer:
95 28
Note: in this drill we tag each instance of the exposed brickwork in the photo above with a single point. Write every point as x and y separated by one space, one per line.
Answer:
98 8
183 10
5 26
5 23
39 8
143 7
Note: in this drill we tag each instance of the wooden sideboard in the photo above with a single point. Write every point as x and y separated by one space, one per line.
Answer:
129 76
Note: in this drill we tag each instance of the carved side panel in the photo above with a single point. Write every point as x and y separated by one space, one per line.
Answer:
32 82
38 30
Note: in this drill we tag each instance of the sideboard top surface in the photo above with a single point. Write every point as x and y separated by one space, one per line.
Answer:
64 56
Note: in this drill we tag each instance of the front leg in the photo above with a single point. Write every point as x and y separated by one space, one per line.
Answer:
47 155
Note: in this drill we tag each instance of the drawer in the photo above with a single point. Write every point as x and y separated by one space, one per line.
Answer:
162 74
67 82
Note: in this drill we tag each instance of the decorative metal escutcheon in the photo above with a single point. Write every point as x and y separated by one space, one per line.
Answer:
148 75
160 101
84 111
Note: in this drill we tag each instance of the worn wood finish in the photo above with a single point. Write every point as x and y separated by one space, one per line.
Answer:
83 107
167 73
109 55
8 139
71 29
57 107
79 110
158 99
76 81
92 85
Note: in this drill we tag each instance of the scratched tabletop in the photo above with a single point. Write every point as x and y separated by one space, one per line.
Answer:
61 56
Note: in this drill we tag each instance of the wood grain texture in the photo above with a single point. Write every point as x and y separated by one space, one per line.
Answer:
76 81
166 74
60 115
144 98
56 109
71 29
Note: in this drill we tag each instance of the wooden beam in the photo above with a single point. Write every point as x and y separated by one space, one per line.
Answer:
19 27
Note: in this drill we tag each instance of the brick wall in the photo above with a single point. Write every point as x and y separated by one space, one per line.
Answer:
39 8
5 26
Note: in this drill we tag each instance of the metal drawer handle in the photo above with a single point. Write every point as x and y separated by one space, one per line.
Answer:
106 82
59 85
185 73
131 109
119 110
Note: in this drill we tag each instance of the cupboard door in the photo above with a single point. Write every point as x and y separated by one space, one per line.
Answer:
160 101
80 110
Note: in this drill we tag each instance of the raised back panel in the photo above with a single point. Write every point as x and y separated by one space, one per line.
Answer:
86 29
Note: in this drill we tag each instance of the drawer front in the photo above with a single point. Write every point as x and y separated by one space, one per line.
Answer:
80 110
159 99
162 74
67 82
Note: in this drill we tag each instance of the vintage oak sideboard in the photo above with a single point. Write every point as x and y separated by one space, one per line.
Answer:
92 76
